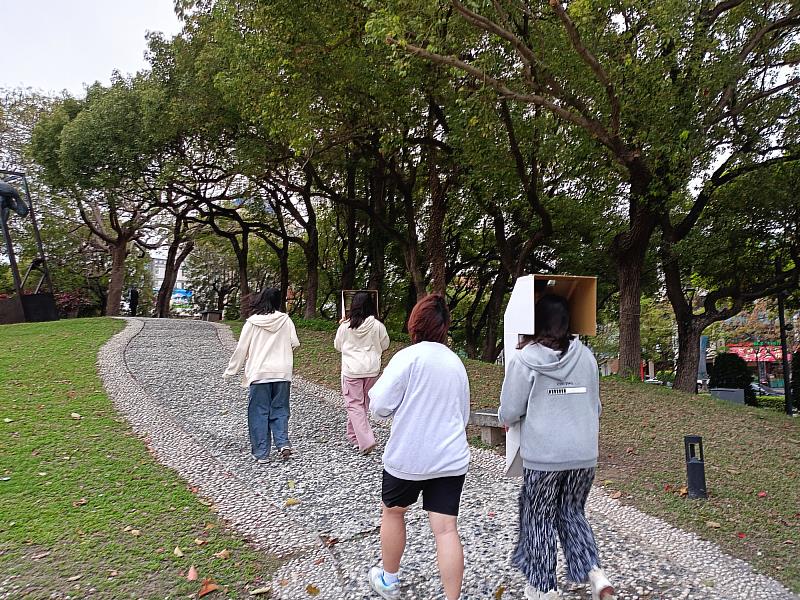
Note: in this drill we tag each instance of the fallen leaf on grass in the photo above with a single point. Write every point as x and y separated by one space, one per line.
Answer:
210 526
136 532
284 582
312 590
113 573
762 494
42 473
207 587
223 554
74 578
292 502
80 502
616 495
192 574
713 524
741 535
319 561
75 416
684 491
7 420
498 593
40 556
259 591
291 484
200 542
177 552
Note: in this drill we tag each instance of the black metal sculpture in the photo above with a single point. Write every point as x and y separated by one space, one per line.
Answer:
37 306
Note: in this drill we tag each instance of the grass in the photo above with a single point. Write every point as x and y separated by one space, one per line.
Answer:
752 457
83 505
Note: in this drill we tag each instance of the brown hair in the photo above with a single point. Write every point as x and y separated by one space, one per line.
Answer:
429 320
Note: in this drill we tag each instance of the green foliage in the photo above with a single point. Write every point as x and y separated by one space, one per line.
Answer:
730 371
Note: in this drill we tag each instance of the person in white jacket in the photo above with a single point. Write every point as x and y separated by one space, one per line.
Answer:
265 349
425 390
361 339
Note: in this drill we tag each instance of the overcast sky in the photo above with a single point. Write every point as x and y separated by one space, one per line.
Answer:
54 45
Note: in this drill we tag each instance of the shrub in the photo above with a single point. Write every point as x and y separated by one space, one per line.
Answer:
666 376
730 371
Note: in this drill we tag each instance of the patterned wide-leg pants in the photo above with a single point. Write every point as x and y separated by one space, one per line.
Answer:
552 503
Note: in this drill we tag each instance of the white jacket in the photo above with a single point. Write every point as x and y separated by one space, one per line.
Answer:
266 344
361 348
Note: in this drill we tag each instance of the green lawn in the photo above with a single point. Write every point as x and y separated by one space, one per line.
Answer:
82 503
752 457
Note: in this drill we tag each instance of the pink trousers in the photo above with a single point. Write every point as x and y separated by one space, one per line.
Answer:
356 401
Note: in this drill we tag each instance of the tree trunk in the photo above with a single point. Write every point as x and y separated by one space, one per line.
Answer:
688 356
435 246
491 316
283 258
117 281
629 276
381 190
311 250
348 281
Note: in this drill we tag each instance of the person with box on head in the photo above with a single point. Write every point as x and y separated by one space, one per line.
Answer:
552 388
265 349
361 339
425 390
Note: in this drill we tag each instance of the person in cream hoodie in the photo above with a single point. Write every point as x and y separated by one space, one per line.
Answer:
361 339
265 349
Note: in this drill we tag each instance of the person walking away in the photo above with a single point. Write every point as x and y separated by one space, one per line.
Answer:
553 387
361 339
425 390
265 349
133 301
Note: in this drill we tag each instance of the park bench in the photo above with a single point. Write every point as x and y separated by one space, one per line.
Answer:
491 430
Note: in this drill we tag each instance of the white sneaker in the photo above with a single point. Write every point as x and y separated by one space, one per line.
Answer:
601 586
531 593
390 591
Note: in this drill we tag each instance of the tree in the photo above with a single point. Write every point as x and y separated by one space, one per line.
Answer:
659 90
98 151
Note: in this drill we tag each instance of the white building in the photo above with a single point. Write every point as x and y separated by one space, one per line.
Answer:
158 264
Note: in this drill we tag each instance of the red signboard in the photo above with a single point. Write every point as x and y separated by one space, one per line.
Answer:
752 353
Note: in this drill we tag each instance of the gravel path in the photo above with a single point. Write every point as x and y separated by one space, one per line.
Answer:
164 376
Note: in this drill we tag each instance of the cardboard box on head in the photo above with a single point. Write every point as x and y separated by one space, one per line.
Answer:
581 295
347 300
580 292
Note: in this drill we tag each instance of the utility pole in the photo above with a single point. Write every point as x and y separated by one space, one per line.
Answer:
787 386
787 391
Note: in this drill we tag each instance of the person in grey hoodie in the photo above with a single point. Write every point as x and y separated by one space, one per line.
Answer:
265 348
552 387
361 339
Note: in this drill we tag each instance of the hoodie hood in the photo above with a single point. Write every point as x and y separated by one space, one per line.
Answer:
271 322
552 362
365 328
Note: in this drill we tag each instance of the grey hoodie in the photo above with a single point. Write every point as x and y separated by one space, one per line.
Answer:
557 399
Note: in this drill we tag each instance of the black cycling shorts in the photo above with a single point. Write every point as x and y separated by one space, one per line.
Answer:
439 495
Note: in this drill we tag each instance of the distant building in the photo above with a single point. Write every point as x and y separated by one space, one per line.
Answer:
157 267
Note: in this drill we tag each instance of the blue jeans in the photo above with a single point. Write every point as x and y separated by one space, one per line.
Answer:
268 416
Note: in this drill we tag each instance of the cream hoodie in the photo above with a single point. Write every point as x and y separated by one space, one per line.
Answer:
361 348
266 344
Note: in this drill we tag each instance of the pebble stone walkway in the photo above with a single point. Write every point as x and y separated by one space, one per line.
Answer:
164 376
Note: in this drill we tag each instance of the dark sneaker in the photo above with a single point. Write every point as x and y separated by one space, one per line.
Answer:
286 452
